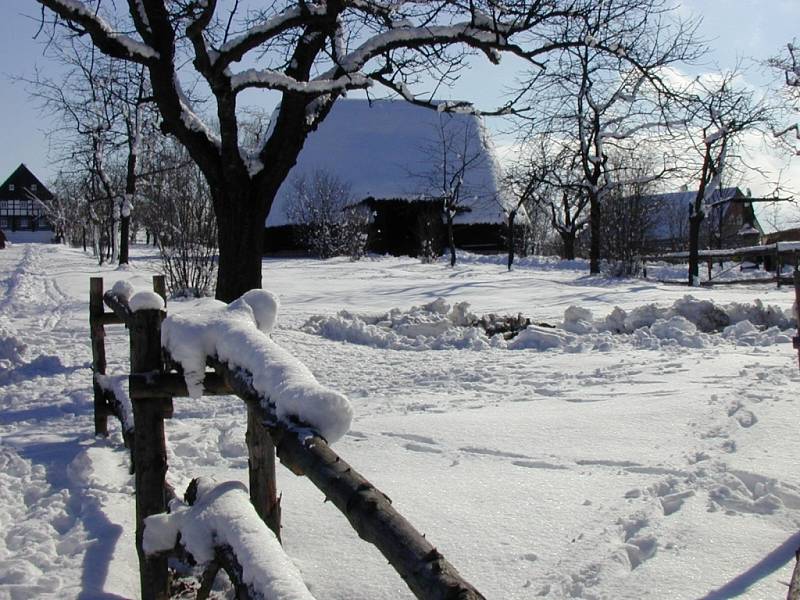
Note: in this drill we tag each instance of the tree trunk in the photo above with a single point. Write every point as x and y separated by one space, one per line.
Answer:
594 224
695 219
451 240
568 244
511 216
241 215
124 237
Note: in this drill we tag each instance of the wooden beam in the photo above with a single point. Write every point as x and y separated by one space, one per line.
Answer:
97 334
150 452
172 385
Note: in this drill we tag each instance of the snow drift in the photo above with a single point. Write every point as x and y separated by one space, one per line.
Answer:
689 322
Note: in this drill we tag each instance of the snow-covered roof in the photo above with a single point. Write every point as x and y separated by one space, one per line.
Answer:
384 149
684 197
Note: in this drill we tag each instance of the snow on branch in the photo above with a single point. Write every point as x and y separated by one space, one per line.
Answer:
238 334
234 49
103 34
223 516
416 36
275 80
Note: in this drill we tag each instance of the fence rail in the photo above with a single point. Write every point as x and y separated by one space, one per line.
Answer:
774 256
153 385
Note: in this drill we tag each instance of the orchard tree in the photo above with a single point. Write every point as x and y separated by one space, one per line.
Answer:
610 94
103 111
788 65
309 52
723 112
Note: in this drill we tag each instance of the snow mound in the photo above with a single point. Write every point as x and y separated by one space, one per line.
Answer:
235 334
223 516
688 323
123 289
11 348
433 326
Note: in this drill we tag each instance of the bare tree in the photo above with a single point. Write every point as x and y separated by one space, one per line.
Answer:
723 113
610 94
103 113
455 154
788 65
311 53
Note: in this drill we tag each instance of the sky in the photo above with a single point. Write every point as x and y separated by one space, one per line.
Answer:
736 30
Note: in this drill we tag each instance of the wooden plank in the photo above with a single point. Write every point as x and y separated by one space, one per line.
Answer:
263 481
97 334
150 452
142 386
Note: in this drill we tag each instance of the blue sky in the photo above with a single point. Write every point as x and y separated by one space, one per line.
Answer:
735 29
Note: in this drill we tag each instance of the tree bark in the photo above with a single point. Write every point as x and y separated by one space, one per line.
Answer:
695 220
241 216
567 244
511 216
594 224
451 240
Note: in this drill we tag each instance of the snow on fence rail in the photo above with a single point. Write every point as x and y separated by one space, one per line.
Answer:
278 422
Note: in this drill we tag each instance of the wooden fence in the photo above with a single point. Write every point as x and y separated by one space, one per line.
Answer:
773 256
154 382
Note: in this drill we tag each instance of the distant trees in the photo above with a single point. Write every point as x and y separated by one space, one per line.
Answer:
311 53
455 153
608 95
104 118
180 216
788 66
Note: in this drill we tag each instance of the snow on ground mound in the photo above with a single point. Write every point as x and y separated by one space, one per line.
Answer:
433 326
689 322
238 334
11 348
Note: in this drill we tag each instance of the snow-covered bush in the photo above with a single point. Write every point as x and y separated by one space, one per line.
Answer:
327 222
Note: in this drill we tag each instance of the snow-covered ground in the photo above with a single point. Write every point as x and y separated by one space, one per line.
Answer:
657 458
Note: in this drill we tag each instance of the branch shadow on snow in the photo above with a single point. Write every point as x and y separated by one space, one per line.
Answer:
766 566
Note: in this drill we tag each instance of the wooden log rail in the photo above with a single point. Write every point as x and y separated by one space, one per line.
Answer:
301 449
779 253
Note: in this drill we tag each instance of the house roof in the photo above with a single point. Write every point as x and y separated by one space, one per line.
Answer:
385 149
26 186
672 205
684 197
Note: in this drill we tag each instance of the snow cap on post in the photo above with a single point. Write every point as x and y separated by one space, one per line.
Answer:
146 301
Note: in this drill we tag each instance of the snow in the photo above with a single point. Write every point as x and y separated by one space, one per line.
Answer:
223 516
237 334
382 150
146 300
123 289
663 471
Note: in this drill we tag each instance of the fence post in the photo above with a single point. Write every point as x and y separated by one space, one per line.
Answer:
261 462
97 333
150 452
778 265
710 265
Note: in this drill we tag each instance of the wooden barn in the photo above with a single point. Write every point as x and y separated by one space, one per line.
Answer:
397 159
22 212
